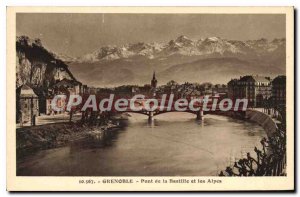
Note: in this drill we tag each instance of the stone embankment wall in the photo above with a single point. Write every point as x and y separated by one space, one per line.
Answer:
262 119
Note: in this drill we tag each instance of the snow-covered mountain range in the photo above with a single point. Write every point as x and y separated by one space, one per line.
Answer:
182 45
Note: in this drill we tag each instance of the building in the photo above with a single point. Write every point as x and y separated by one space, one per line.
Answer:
154 81
27 105
207 89
64 87
279 90
220 90
153 85
84 89
126 91
193 94
233 89
68 86
186 90
145 90
257 89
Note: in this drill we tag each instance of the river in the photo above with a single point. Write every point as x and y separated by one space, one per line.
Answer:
175 144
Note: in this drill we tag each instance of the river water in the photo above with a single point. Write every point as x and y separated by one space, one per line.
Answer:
175 144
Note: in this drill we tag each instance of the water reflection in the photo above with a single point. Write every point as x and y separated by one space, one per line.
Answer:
152 122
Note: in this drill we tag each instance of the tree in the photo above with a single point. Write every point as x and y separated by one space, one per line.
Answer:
172 83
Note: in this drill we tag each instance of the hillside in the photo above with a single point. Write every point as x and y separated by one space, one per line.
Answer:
217 70
37 67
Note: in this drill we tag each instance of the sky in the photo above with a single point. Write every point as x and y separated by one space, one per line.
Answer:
78 34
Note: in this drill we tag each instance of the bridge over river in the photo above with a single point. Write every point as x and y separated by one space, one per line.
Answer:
152 109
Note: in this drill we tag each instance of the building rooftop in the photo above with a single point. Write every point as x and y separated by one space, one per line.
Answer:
255 78
27 91
66 83
281 79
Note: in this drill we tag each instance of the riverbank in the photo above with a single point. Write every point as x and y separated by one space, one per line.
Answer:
55 135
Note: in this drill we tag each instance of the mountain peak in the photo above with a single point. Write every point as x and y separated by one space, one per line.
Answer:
213 39
182 38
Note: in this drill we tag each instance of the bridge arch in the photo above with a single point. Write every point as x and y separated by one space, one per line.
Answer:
164 112
151 114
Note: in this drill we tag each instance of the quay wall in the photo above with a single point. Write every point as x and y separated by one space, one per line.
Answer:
264 120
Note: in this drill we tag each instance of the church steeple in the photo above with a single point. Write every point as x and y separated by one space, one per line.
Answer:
153 81
153 78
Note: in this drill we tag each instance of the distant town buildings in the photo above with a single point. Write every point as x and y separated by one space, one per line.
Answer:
193 90
187 90
220 90
259 90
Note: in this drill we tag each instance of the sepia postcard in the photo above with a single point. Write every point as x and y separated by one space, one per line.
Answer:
150 99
